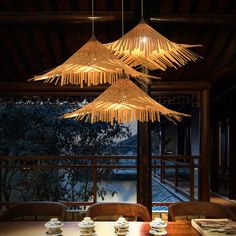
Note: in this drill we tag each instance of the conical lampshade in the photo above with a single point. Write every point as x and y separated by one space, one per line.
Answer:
92 64
125 102
144 46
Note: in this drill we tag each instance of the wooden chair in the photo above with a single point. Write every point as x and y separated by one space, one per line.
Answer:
112 211
183 211
34 211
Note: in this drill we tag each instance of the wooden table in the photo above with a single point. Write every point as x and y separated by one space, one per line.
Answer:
102 229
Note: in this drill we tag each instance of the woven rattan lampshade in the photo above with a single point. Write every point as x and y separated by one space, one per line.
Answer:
144 46
92 64
125 102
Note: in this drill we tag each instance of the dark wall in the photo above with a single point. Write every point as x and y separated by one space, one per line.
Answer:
223 135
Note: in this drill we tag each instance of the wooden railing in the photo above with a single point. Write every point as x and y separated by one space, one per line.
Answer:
176 163
159 164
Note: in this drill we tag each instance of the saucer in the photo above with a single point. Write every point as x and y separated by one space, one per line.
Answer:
87 231
153 232
122 227
93 234
59 233
121 233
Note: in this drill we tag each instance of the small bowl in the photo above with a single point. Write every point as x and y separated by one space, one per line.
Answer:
86 223
121 226
121 223
158 223
54 226
86 226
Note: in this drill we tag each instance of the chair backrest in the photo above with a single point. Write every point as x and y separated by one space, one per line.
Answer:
197 209
34 211
112 211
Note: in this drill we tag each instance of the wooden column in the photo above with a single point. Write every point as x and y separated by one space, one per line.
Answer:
188 133
163 150
144 167
180 142
0 185
204 194
215 132
232 154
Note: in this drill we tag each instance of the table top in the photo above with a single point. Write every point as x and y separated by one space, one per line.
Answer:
37 228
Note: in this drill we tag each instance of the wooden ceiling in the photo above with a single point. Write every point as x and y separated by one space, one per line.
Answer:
37 35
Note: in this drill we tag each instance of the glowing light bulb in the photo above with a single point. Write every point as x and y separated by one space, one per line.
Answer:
143 39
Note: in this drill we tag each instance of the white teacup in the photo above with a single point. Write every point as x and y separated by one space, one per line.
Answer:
54 226
87 226
121 226
158 227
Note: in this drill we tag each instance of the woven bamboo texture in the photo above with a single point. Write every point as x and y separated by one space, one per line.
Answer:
144 46
124 101
92 64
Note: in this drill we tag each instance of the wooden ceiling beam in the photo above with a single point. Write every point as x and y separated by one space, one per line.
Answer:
40 88
62 17
223 73
17 54
229 20
10 62
76 17
215 52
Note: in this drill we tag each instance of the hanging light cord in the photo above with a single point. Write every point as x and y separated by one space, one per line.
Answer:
93 18
122 29
141 9
122 18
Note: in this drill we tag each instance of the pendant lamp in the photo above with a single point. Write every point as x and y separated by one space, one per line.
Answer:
144 46
92 64
124 101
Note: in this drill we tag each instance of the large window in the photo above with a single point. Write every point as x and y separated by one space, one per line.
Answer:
50 158
45 157
32 126
175 151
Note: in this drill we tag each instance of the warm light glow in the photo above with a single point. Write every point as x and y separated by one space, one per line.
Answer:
125 102
144 46
143 39
92 64
96 17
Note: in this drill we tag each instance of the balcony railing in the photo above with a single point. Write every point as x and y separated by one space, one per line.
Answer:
167 169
